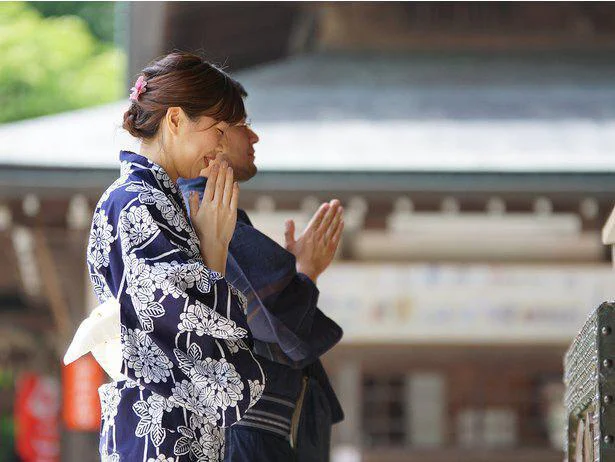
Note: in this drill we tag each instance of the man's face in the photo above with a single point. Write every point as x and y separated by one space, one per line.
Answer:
238 150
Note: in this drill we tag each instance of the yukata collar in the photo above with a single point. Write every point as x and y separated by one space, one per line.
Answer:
133 161
190 184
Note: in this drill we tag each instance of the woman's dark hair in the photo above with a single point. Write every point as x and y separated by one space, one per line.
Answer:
188 81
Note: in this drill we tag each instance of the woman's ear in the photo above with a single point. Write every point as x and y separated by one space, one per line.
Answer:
174 119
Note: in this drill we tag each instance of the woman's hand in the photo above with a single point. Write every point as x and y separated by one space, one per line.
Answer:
215 217
315 248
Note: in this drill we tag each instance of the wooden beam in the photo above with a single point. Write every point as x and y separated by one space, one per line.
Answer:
51 285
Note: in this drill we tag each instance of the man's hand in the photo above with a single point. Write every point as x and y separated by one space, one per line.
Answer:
316 246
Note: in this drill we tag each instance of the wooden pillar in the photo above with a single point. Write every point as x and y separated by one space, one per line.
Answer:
146 34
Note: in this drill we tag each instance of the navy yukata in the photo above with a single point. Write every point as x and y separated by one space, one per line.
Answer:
186 345
290 334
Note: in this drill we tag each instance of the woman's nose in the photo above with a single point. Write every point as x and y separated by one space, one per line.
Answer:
253 137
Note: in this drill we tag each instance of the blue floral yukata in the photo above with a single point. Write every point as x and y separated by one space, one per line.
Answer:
186 346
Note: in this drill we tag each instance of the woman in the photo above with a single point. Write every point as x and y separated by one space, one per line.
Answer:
186 346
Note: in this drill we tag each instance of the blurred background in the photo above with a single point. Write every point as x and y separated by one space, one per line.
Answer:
470 143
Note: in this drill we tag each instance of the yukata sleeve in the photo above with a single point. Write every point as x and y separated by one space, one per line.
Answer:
184 330
296 307
296 304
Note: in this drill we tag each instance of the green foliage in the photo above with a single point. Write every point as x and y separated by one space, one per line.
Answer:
7 436
98 15
53 64
7 379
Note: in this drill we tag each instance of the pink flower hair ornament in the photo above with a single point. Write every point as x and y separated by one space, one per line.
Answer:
139 88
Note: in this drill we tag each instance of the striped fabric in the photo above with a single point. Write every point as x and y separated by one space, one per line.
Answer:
271 413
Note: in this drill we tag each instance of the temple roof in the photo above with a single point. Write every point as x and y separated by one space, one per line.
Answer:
383 113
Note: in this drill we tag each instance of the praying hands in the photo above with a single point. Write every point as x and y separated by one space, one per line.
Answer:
316 246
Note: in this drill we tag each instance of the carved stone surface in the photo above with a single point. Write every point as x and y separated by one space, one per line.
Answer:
589 376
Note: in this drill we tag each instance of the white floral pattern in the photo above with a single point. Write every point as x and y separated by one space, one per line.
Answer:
161 458
235 345
140 285
202 320
150 414
220 377
144 357
164 178
137 226
141 288
194 248
172 215
109 400
169 209
196 399
256 391
174 278
101 237
208 447
101 290
242 298
113 457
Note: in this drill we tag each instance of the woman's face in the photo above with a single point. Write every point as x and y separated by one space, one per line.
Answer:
195 144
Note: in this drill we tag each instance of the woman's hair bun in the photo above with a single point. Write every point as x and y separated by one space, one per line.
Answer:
188 81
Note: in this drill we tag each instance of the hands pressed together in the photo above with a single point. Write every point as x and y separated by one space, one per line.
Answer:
215 216
316 246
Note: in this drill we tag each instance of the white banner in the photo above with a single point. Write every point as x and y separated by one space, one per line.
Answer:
463 303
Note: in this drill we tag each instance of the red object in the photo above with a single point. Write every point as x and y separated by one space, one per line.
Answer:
81 404
37 418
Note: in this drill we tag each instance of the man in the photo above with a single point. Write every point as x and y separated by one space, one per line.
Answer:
292 421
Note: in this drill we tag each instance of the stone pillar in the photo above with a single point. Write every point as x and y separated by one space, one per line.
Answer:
608 234
347 434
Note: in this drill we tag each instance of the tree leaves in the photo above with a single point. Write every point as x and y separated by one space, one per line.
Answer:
53 64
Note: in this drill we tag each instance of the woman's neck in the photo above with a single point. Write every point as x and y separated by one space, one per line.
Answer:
155 153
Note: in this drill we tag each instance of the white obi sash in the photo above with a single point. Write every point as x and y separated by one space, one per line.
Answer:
99 334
